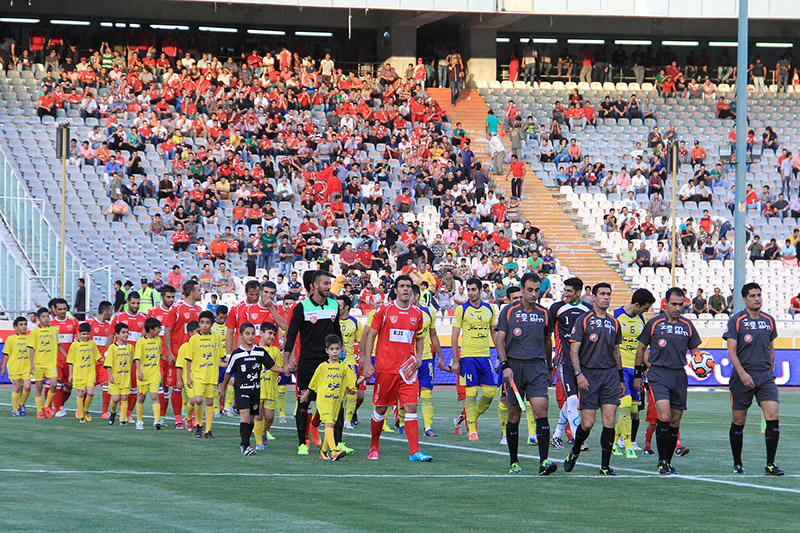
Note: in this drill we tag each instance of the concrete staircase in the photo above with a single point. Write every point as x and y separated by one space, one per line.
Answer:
571 242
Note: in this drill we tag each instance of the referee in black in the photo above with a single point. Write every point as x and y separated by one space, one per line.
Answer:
312 319
525 351
597 363
751 348
668 336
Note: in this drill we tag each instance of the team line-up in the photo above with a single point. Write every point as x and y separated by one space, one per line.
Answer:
180 354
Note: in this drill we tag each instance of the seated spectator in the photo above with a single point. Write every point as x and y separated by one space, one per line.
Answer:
180 239
643 256
661 257
699 303
626 256
724 109
724 249
157 226
708 249
770 140
794 305
771 250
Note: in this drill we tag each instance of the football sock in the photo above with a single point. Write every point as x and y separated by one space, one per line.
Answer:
673 439
736 437
531 423
112 406
48 400
229 397
338 426
198 414
763 424
38 400
662 439
156 411
634 428
132 400
412 432
258 426
606 442
573 413
486 400
79 412
123 411
376 426
328 443
512 439
624 423
772 434
580 437
106 398
244 432
470 406
282 400
14 401
562 422
24 396
302 421
176 397
543 434
58 397
426 401
87 401
502 414
350 405
65 394
315 420
209 417
139 411
163 399
648 435
401 413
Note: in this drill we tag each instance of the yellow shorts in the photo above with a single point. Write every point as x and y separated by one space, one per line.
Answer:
19 375
82 385
41 372
206 390
144 387
116 390
328 410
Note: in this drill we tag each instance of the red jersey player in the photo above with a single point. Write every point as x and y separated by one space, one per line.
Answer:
236 316
175 335
67 331
101 329
398 325
135 322
169 376
265 310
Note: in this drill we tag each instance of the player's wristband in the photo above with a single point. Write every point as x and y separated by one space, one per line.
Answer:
578 372
621 374
504 365
637 371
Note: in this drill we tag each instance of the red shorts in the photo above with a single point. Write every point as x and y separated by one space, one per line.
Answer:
169 374
560 398
461 390
390 389
62 369
101 373
652 415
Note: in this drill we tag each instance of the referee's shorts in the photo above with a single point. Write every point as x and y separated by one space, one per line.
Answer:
531 378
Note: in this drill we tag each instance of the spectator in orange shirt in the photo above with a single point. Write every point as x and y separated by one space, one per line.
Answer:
218 248
698 154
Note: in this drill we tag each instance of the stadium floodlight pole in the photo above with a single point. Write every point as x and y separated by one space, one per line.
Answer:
674 253
740 212
62 151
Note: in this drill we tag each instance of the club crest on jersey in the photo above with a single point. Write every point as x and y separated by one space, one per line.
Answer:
313 319
187 315
413 320
748 338
593 337
662 342
517 331
393 319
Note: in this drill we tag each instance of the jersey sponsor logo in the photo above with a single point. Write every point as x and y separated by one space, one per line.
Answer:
662 342
748 338
404 336
517 331
593 337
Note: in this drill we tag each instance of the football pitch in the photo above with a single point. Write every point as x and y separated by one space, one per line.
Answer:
57 473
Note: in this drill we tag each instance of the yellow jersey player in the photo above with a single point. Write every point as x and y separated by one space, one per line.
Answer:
119 362
219 327
351 335
476 319
431 349
269 385
193 419
17 360
631 322
43 345
331 381
206 351
147 356
81 359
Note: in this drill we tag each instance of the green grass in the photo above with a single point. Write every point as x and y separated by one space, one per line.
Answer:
142 480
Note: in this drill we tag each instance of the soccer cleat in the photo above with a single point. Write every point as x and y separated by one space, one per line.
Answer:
664 469
48 412
547 467
772 470
569 462
178 425
82 420
373 453
61 413
217 414
401 430
738 469
457 424
88 417
337 454
616 450
314 434
420 457
515 469
189 426
607 471
123 424
503 440
326 455
22 410
431 433
269 436
209 435
683 450
40 414
584 447
341 446
140 425
557 443
635 447
348 425
163 420
198 432
259 447
355 418
672 469
104 415
630 454
532 440
228 412
474 436
157 424
248 451
387 428
302 449
282 420
111 418
648 451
